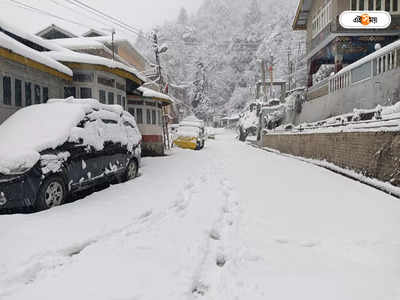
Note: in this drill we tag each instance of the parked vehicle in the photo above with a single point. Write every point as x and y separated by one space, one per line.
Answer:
191 134
49 151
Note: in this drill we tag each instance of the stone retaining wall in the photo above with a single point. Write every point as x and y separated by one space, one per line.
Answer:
374 154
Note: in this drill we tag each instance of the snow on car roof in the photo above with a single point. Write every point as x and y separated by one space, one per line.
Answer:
34 129
149 93
9 43
70 56
47 126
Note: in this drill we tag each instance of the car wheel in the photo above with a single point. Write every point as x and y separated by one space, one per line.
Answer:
131 170
52 193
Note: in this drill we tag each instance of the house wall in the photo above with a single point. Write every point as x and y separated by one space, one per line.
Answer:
27 75
374 154
383 89
151 130
96 87
133 58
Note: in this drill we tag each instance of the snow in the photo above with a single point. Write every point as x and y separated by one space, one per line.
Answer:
47 126
34 129
187 131
191 121
263 227
18 48
79 43
48 44
149 93
71 56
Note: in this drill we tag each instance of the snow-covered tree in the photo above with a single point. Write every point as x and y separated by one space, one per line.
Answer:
183 16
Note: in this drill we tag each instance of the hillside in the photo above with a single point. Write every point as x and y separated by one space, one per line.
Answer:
215 53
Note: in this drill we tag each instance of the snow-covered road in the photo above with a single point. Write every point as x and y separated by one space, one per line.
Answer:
228 222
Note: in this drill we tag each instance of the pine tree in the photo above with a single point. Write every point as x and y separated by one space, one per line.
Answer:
183 16
253 15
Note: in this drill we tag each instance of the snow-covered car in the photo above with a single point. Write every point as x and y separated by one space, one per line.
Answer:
191 134
49 151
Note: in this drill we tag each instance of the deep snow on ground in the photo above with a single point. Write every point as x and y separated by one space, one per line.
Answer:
228 222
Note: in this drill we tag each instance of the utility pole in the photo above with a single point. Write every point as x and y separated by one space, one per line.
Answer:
112 43
157 53
263 78
271 70
289 68
161 84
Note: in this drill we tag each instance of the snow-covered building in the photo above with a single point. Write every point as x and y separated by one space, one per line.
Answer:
27 75
149 109
98 77
329 43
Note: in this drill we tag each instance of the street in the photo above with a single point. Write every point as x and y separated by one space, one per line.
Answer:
227 222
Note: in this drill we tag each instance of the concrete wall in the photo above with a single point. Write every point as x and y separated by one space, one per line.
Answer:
26 74
374 154
383 89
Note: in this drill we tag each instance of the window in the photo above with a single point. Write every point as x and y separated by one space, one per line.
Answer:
159 117
387 5
148 116
83 77
121 86
137 102
139 116
86 93
28 93
119 99
154 117
322 19
102 96
123 102
37 94
7 90
110 98
360 73
106 81
45 94
391 6
18 92
69 91
370 4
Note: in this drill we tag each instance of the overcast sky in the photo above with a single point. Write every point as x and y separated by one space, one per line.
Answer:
141 14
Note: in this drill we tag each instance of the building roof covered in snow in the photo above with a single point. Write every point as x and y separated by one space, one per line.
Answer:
53 31
18 52
149 93
70 58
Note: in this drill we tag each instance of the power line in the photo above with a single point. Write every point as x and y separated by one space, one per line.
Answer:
111 19
43 12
